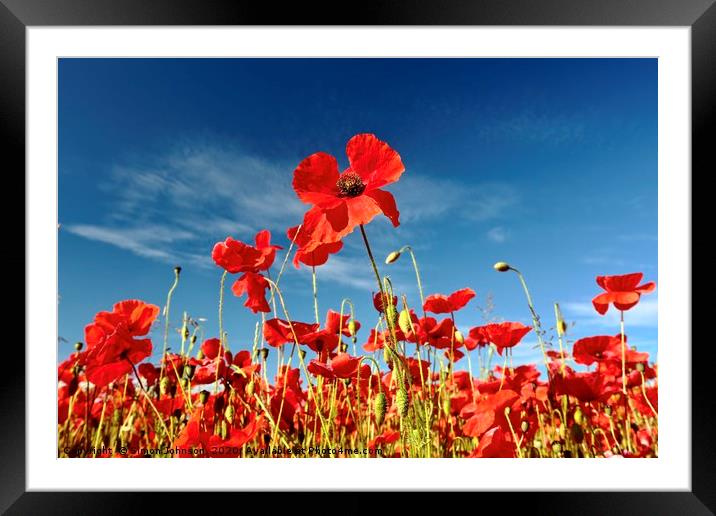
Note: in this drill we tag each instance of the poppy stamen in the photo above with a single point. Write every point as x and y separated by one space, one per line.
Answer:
350 184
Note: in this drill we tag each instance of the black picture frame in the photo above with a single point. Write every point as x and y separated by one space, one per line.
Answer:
17 15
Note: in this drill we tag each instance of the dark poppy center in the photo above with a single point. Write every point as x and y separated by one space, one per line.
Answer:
350 184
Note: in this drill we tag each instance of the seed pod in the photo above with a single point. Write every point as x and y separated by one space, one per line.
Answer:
203 397
380 407
392 257
502 266
78 346
404 321
402 401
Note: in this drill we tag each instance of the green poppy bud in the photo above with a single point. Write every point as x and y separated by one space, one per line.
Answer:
381 405
404 321
402 401
502 267
392 257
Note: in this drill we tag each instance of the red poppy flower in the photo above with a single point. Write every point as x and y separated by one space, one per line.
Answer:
441 304
210 348
342 365
595 349
378 301
112 348
495 444
353 197
586 387
255 286
311 251
622 291
506 334
114 356
376 341
278 332
235 256
477 337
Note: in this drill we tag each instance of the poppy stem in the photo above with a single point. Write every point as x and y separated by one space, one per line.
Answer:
621 329
535 319
315 293
221 329
177 270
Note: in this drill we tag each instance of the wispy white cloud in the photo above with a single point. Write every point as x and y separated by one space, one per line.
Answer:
644 315
427 197
497 234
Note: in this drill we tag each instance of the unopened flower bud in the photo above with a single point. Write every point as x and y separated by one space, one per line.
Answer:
264 353
177 270
391 314
525 426
200 354
352 328
203 397
392 257
608 410
229 413
404 321
250 388
557 447
344 347
459 337
224 431
502 266
640 367
78 346
380 406
302 353
402 401
578 416
507 411
561 327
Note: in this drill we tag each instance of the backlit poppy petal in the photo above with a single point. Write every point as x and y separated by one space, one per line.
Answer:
374 160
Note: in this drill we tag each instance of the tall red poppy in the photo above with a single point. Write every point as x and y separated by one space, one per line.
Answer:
442 304
354 196
622 291
506 334
595 349
112 346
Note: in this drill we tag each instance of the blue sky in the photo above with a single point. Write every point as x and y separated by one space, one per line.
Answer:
549 164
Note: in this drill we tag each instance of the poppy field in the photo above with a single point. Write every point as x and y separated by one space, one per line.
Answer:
407 383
